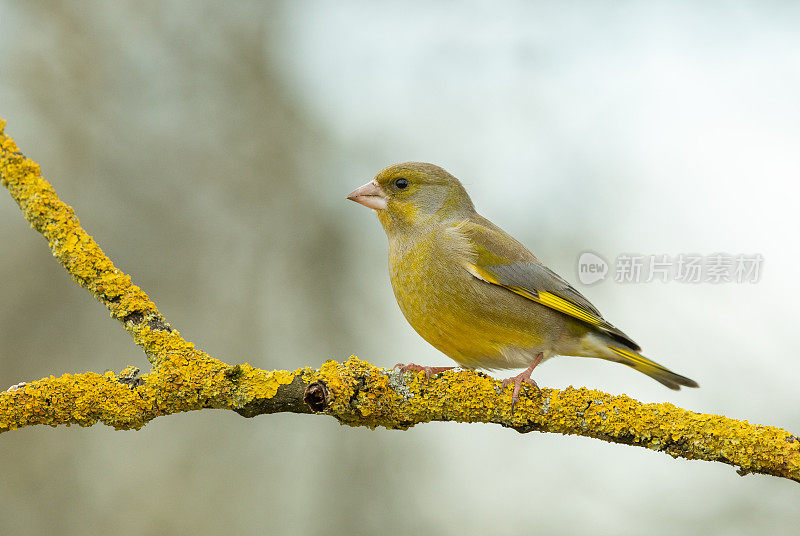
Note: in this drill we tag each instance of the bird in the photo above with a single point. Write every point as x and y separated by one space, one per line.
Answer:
477 294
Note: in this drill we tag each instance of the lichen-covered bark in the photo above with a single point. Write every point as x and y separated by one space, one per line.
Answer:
360 394
356 393
79 253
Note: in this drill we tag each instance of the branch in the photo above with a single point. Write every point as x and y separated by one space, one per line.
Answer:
356 393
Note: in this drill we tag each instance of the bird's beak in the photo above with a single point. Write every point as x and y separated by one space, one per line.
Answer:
370 195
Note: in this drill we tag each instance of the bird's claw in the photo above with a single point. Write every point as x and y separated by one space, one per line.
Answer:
429 371
519 379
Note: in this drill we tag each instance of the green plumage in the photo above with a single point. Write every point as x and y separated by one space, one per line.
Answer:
476 293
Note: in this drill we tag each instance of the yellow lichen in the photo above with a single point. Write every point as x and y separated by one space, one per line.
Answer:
262 384
69 243
185 378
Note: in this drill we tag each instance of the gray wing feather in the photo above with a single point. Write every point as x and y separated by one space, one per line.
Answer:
535 276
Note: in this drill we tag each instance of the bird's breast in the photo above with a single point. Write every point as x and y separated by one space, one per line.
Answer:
470 321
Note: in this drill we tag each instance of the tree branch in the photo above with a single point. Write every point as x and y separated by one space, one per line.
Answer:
356 393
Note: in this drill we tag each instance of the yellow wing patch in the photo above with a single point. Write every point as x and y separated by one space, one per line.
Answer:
547 299
560 304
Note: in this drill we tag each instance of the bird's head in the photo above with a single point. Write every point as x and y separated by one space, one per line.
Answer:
413 195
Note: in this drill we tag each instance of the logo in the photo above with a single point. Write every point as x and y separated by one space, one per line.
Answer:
592 268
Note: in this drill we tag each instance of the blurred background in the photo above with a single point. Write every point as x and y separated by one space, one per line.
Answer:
208 148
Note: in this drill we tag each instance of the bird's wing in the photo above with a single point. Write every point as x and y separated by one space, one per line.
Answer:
501 260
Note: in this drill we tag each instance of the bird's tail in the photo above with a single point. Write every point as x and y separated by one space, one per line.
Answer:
661 374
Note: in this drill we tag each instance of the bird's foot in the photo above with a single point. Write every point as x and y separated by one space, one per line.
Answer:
522 377
429 371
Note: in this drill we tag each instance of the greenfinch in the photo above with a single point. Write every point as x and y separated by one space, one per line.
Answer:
477 294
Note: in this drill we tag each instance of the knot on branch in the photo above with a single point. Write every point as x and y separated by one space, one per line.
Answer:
317 396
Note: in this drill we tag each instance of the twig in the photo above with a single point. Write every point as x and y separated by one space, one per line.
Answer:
356 393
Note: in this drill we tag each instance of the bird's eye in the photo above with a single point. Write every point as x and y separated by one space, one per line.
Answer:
401 183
